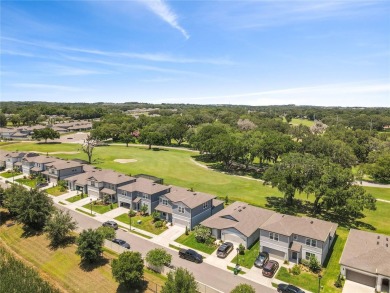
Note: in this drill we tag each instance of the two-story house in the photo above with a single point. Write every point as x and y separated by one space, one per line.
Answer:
295 238
3 159
239 223
141 192
36 164
187 208
61 169
13 160
104 183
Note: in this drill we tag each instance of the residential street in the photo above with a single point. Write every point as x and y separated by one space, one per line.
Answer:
205 273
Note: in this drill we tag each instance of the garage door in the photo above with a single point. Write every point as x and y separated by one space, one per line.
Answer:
180 222
232 237
361 278
93 193
274 253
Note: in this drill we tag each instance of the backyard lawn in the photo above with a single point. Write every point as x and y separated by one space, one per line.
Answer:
62 265
100 208
248 259
55 191
28 182
146 223
190 241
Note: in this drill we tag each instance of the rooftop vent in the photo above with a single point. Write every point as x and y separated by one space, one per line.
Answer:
194 193
243 207
311 222
377 243
379 237
239 210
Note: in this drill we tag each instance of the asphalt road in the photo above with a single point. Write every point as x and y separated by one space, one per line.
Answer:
205 273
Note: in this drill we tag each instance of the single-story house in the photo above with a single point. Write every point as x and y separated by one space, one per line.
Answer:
366 259
239 223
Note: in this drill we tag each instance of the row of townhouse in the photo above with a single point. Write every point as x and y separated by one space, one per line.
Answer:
23 132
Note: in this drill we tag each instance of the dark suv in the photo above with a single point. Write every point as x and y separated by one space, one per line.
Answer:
122 243
270 268
285 288
111 224
224 249
261 259
190 255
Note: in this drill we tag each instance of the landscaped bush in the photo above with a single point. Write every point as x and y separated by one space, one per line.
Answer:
305 262
296 270
314 264
339 281
202 233
158 224
241 249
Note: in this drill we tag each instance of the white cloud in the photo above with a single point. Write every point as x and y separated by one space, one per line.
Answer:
44 86
161 8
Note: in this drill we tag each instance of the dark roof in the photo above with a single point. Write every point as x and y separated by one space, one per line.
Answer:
164 208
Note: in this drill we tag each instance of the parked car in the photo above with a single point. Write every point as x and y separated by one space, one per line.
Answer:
122 243
285 288
111 224
224 249
191 255
270 268
261 259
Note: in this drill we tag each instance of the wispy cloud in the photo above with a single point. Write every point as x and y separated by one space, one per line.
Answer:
44 86
162 9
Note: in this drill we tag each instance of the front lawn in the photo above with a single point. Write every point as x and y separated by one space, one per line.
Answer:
100 208
76 198
248 259
330 271
10 174
146 223
190 241
28 182
55 191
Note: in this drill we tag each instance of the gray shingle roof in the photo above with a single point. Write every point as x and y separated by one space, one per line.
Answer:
367 251
304 226
191 199
110 176
241 216
145 186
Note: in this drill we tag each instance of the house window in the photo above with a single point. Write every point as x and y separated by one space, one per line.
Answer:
308 255
296 237
205 205
181 210
274 236
93 183
124 192
164 214
165 202
311 242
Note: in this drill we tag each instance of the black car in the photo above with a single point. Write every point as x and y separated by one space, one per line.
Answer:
224 249
285 288
42 184
122 243
191 255
111 224
270 268
261 259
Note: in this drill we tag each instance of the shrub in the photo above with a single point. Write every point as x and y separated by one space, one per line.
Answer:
187 230
202 233
158 224
339 281
286 262
241 248
128 269
156 216
314 264
296 270
243 288
305 262
158 257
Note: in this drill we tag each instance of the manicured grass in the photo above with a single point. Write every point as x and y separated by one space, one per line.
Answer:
309 281
75 198
232 269
10 174
55 191
136 232
296 121
63 203
84 212
377 192
248 259
62 265
174 246
100 209
28 182
146 223
190 241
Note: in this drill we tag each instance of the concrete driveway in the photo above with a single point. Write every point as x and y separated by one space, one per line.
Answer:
353 287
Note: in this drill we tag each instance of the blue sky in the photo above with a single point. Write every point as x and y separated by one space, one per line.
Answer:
330 53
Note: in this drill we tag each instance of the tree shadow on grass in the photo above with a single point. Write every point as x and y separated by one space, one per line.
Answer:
49 142
142 287
326 262
157 149
5 218
65 243
30 232
279 205
89 267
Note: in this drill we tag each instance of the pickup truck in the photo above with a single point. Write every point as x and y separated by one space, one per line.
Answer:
191 255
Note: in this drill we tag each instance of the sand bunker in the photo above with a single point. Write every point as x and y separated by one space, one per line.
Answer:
125 161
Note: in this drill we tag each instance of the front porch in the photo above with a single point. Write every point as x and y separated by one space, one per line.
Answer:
295 252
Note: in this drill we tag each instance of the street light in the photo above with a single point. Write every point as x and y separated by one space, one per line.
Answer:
91 205
319 282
